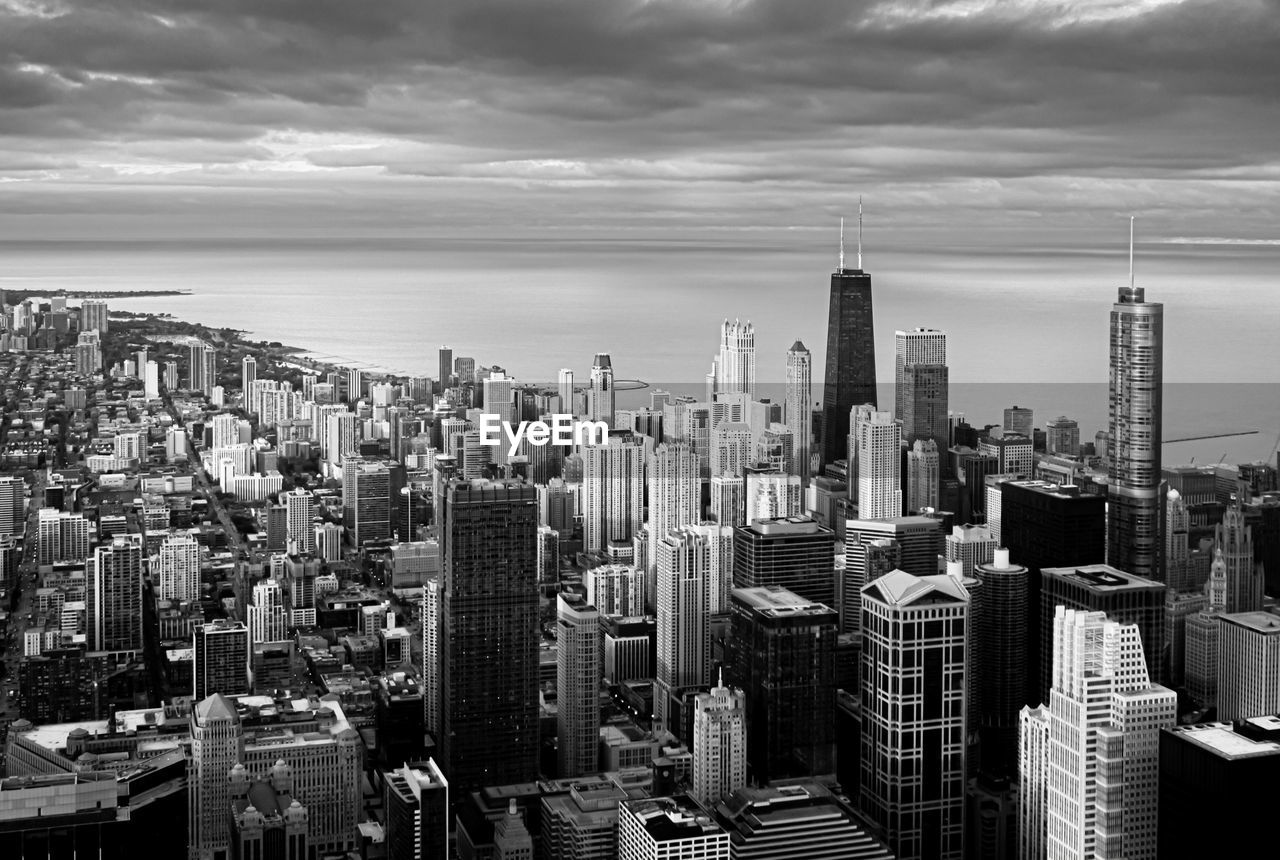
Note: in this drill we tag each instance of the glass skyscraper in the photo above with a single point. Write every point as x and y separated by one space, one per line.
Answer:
851 356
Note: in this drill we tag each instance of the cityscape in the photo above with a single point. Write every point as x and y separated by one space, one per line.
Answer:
639 430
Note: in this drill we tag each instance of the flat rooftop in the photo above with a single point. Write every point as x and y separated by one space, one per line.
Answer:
1101 578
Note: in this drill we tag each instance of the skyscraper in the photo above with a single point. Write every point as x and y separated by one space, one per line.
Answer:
1019 420
1134 502
1245 582
12 505
114 595
684 579
925 395
93 315
176 569
719 743
221 657
925 346
850 376
794 553
1002 654
799 408
366 500
612 493
879 467
577 687
915 635
217 744
416 802
248 373
1248 665
1097 772
924 476
1177 543
674 493
299 532
445 368
784 658
600 403
971 546
489 712
735 364
564 386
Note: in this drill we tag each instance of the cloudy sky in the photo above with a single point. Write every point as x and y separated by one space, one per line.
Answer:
141 118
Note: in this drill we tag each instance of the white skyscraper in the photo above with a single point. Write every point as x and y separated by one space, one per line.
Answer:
917 346
799 407
971 546
431 597
683 632
176 568
1248 665
577 687
674 492
267 613
616 589
719 743
879 470
600 395
771 496
298 530
1097 774
924 479
564 385
731 444
151 380
612 493
914 682
735 365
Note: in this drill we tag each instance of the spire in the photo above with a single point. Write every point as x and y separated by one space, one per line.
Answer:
840 265
1131 252
859 232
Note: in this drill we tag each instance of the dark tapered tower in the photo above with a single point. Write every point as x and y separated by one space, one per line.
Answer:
1134 494
850 377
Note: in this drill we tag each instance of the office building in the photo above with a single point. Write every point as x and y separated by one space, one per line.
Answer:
917 544
577 686
771 495
1202 632
1125 598
299 531
674 492
600 396
564 386
1134 502
1019 420
719 743
915 636
734 368
924 476
669 828
1090 789
784 658
221 659
850 377
366 500
879 443
1177 543
176 568
798 409
971 546
1062 436
684 583
266 614
1001 652
113 602
1223 773
489 708
1245 584
803 821
12 505
612 493
924 413
415 799
919 346
731 448
202 367
616 589
93 316
444 369
1248 665
795 553
1014 454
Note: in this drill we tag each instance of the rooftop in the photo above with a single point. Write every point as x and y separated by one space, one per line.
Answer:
1102 578
671 818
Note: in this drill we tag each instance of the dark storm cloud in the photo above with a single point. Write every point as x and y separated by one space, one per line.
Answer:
750 112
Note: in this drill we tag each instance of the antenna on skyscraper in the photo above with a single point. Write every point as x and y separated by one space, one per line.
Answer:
840 267
859 232
1131 252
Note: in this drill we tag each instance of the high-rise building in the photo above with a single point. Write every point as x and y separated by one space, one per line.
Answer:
151 380
917 542
221 659
1001 630
1062 436
879 442
669 828
784 658
1019 420
93 316
735 364
61 536
1088 759
268 621
915 637
202 367
1177 543
924 476
217 744
445 368
924 404
366 500
798 412
1245 584
1015 454
850 376
113 603
432 671
489 707
1202 638
794 553
564 387
719 743
577 687
923 346
299 531
731 448
176 568
674 492
970 545
1125 598
1134 502
415 800
13 505
1248 665
612 493
1220 772
616 589
600 397
684 578
248 373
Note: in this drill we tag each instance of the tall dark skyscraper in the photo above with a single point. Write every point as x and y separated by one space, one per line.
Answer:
489 634
851 352
1134 495
795 553
446 367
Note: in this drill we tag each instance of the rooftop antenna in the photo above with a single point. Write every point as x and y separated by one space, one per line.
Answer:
1130 252
840 267
859 232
